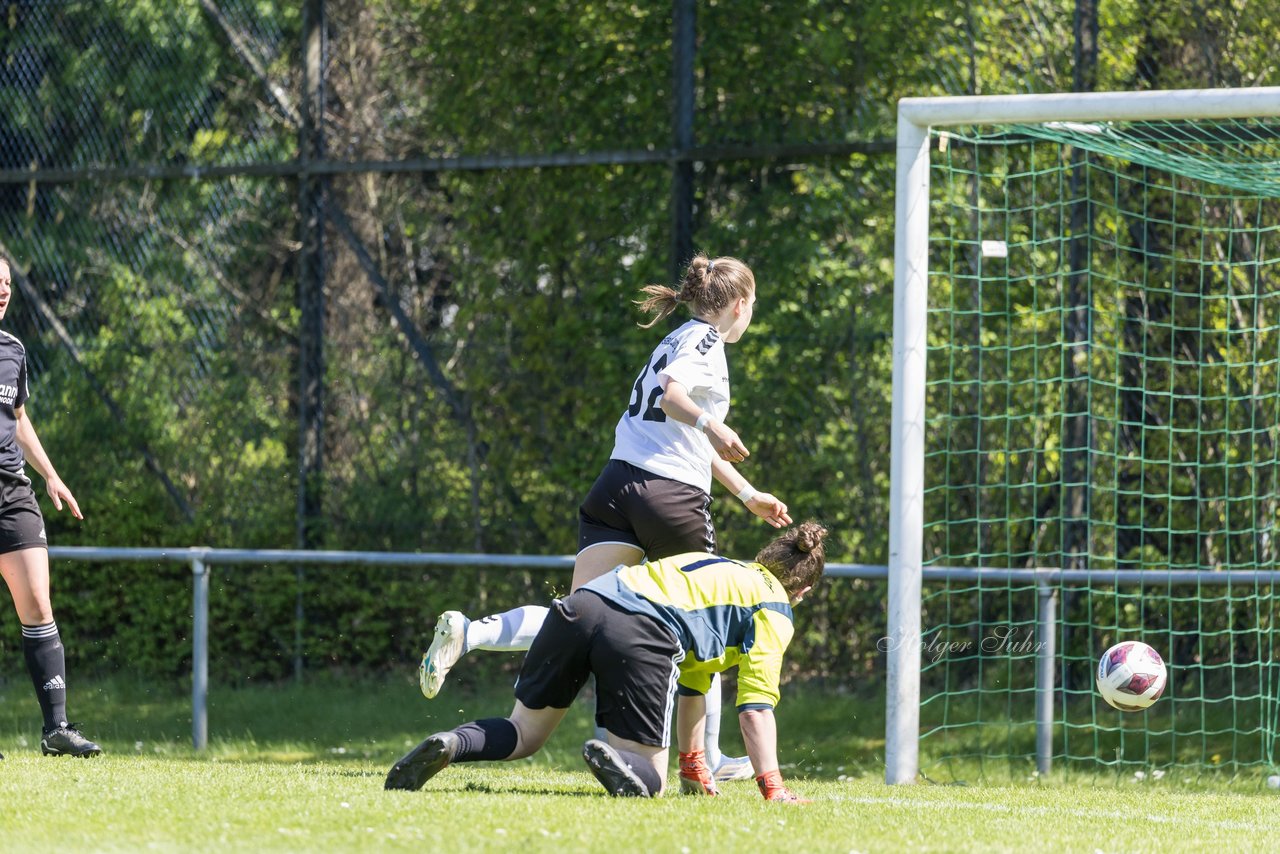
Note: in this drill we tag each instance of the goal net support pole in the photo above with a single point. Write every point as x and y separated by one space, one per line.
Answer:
911 252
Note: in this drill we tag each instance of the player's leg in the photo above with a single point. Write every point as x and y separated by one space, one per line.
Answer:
553 673
679 521
626 768
607 535
513 630
711 728
455 635
597 559
664 517
26 573
488 740
604 541
510 631
594 561
724 767
636 662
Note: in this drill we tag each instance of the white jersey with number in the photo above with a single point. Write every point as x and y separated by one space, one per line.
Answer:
693 356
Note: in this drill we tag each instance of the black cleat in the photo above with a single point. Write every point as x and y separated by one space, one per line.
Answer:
613 773
67 741
422 763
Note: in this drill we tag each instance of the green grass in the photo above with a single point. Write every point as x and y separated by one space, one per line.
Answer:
300 768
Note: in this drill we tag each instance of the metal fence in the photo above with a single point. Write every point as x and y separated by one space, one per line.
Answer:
1048 581
201 559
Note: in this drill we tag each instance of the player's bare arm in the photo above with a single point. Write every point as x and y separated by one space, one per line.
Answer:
677 404
763 504
39 460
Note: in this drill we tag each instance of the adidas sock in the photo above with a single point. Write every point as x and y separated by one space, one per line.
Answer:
512 630
42 648
488 739
644 770
713 723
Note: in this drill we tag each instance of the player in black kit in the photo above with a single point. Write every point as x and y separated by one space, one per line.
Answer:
24 549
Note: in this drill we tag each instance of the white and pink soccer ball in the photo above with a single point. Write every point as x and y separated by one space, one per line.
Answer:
1131 676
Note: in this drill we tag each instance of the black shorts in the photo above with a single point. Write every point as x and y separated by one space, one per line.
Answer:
21 523
659 516
635 659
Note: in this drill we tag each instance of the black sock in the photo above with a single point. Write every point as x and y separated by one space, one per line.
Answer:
491 738
644 770
42 648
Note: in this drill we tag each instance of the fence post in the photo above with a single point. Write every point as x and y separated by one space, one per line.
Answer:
684 39
1046 634
199 652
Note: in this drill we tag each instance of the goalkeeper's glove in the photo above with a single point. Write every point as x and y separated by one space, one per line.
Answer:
770 783
695 775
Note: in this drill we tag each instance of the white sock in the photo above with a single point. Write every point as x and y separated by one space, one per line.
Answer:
713 723
512 630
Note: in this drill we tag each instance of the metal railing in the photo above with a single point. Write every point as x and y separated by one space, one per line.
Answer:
200 559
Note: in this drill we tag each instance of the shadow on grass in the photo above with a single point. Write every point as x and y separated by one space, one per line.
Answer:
487 789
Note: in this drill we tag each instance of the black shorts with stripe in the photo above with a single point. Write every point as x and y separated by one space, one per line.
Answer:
21 522
659 516
635 659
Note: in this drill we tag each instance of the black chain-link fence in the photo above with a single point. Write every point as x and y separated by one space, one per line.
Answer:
358 274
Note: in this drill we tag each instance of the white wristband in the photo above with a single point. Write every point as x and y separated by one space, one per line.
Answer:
701 424
747 493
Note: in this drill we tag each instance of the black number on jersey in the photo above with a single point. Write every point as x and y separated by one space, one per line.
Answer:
652 411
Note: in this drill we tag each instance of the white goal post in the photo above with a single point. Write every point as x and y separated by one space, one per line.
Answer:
910 309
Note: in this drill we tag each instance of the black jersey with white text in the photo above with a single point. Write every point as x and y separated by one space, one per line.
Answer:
13 394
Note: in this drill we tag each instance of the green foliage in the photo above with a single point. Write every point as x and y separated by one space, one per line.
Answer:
474 417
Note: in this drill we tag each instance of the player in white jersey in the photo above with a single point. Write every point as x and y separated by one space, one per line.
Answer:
692 356
652 498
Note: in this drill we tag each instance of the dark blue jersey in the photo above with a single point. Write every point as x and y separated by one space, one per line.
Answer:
13 394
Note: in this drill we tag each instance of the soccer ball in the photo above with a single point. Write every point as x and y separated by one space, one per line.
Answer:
1131 676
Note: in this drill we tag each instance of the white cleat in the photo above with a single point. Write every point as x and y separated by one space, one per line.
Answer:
447 647
733 768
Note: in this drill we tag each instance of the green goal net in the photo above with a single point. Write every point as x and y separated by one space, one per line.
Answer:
1102 445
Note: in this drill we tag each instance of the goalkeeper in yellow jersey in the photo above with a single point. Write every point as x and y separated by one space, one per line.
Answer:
653 635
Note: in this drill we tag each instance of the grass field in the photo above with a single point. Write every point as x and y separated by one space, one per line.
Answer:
300 768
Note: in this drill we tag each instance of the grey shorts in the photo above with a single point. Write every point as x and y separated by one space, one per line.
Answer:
659 516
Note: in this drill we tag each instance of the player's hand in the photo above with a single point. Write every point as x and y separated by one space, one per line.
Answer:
770 509
770 783
726 443
59 493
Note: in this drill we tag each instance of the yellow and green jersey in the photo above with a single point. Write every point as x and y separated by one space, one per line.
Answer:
722 612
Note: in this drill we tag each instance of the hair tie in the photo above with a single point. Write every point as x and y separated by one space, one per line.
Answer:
711 266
